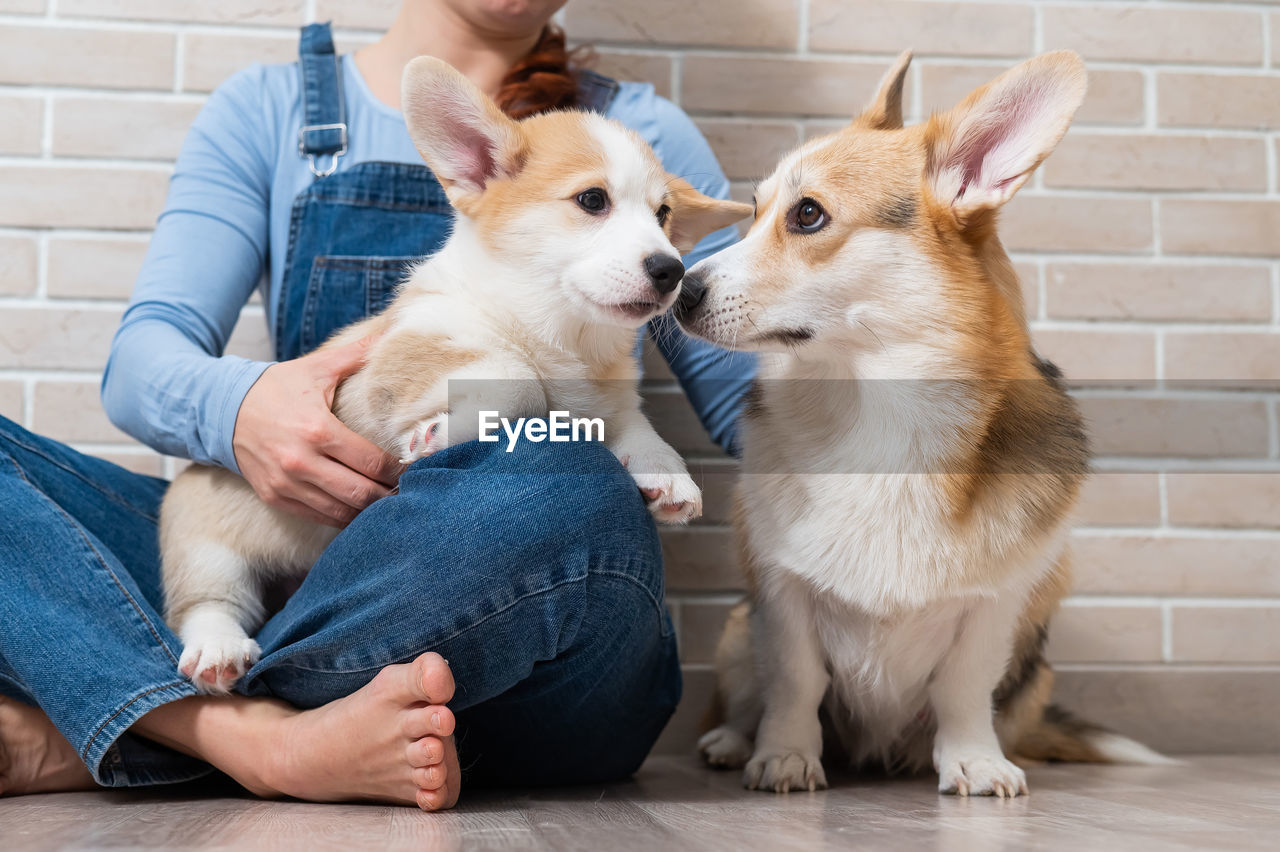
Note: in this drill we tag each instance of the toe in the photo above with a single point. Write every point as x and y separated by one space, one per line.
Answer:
436 800
430 777
427 721
425 752
429 679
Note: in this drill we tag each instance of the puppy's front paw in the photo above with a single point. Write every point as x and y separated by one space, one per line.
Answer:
215 662
784 772
980 774
426 437
673 498
724 748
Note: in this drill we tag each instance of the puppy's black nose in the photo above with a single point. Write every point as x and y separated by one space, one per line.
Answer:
690 296
664 271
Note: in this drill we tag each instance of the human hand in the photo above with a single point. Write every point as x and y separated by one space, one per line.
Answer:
296 454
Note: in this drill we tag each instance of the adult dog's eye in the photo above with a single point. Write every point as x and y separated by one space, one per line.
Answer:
594 200
663 213
807 216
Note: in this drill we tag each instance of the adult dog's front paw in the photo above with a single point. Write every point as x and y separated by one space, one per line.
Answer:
673 498
216 661
784 772
980 773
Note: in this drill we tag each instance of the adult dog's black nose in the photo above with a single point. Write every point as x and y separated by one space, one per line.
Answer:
664 271
690 296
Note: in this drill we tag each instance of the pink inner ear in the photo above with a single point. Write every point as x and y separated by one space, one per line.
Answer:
469 153
1001 145
471 156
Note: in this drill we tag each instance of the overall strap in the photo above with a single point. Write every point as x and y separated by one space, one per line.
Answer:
595 91
324 113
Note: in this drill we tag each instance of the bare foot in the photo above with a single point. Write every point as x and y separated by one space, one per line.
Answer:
390 741
34 756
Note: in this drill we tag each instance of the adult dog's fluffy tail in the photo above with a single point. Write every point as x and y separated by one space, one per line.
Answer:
1061 736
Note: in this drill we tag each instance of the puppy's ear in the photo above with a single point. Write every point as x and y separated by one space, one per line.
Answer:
983 150
694 215
460 132
885 110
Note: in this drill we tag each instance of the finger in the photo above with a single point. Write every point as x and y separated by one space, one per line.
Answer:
334 512
361 455
342 361
302 510
343 484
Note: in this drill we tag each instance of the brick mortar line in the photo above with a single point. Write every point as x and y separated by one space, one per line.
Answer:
86 160
1157 5
1093 259
68 376
1166 633
75 233
1185 465
118 163
1152 326
1275 293
1162 490
28 404
179 62
1178 532
1154 601
1171 668
1273 428
91 93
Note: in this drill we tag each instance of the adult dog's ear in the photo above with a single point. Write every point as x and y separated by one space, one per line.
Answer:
460 132
983 150
885 110
694 215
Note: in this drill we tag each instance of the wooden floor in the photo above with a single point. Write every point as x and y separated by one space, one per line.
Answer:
673 804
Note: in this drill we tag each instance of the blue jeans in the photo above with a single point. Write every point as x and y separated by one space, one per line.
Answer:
537 574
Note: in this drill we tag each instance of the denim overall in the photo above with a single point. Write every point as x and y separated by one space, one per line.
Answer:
353 234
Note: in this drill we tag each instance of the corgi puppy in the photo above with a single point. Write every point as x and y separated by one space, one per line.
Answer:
567 240
910 463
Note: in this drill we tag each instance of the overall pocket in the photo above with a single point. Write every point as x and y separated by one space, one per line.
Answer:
343 289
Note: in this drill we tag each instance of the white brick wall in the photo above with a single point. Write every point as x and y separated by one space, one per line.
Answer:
1149 249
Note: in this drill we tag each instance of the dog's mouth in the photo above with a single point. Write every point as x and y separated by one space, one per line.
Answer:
635 311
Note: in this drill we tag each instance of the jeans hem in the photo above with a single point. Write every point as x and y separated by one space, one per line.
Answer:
109 766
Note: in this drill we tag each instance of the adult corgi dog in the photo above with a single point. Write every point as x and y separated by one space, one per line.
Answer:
565 243
910 463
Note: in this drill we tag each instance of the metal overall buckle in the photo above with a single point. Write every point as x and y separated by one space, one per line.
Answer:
312 159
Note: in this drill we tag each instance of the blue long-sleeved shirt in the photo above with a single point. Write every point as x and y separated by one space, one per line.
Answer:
224 231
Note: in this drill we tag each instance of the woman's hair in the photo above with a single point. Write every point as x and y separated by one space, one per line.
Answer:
545 79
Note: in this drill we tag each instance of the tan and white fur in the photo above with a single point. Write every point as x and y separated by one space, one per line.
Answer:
910 464
532 305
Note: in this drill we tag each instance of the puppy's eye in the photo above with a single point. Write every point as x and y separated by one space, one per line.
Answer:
807 216
664 213
595 201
